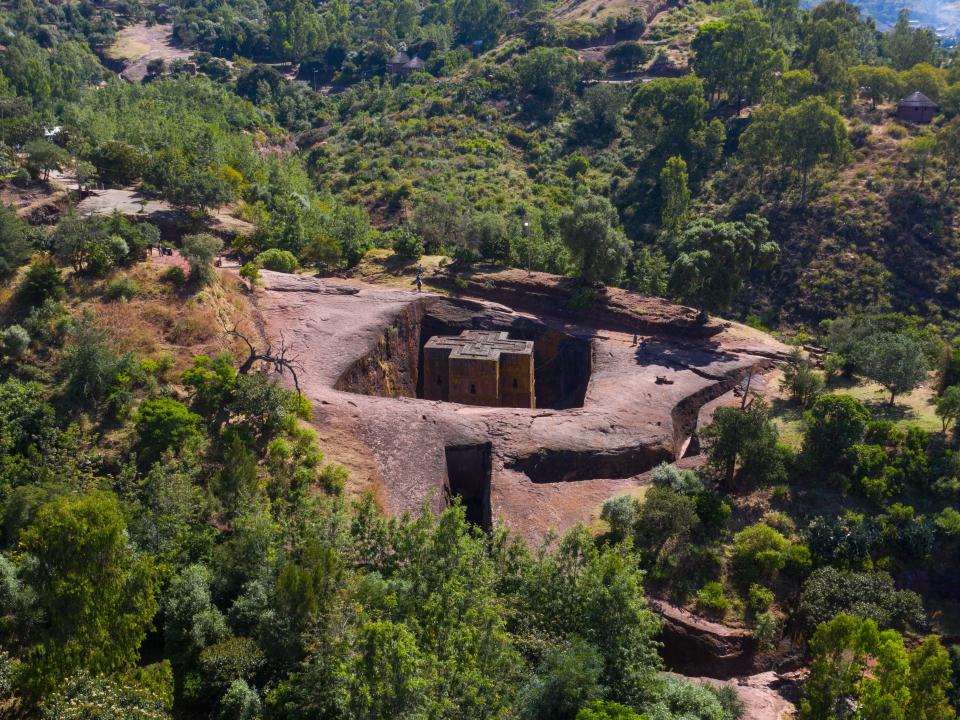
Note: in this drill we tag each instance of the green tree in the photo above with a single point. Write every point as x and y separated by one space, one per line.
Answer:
591 231
948 407
894 360
734 56
855 662
296 30
439 220
832 426
478 20
43 156
948 148
746 438
165 423
14 240
877 83
920 152
675 191
907 46
868 594
200 251
548 77
812 133
712 258
97 596
567 679
76 240
671 114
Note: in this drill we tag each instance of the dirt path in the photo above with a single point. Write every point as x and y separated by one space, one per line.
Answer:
128 201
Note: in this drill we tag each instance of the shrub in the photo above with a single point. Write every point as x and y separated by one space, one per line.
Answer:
251 273
175 276
240 702
833 367
834 424
200 251
407 244
277 260
164 423
668 475
870 595
766 631
712 601
236 658
48 323
761 598
567 679
121 288
90 365
759 552
803 382
15 341
619 513
41 281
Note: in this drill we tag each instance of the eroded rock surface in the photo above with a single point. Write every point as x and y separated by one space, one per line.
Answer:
549 468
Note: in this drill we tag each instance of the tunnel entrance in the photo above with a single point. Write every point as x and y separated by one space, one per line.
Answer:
468 478
562 362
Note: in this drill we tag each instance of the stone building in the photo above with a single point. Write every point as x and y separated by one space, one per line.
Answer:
917 108
479 368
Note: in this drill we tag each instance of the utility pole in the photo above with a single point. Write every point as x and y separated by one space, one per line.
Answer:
526 234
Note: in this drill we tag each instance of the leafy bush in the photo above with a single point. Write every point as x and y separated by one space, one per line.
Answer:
200 251
833 426
406 243
15 341
91 367
41 281
165 423
567 679
121 288
175 276
240 702
236 658
277 260
759 552
868 594
619 513
803 382
761 598
712 601
669 475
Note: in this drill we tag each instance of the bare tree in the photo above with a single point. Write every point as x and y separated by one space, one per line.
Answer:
280 358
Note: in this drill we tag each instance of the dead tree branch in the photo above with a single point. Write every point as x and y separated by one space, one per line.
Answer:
280 358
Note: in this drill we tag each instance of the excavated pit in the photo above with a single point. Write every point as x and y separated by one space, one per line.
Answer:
551 466
394 367
468 478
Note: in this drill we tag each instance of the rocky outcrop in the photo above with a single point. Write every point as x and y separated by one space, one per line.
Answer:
552 294
693 645
609 412
765 696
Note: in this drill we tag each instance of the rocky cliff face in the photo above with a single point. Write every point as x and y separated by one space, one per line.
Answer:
391 368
